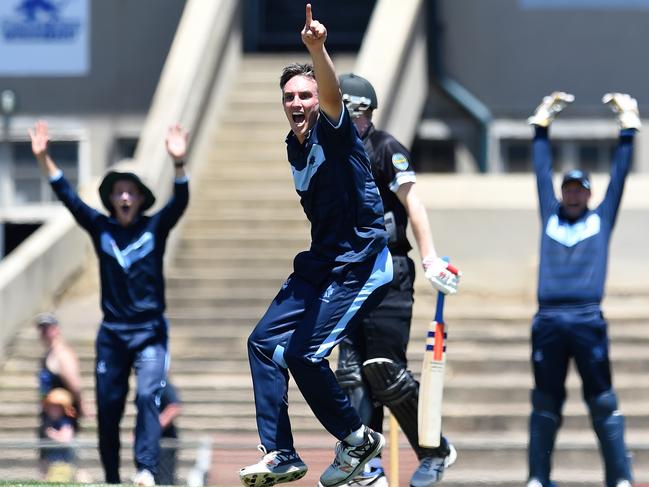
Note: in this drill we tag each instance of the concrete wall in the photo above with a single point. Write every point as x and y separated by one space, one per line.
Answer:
35 271
395 64
509 55
489 226
129 41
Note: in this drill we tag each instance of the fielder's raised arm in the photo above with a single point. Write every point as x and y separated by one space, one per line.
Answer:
314 35
176 144
40 138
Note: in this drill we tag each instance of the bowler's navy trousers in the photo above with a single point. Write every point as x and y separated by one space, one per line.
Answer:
302 325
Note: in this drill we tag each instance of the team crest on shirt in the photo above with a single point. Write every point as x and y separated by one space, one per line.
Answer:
400 161
135 252
571 234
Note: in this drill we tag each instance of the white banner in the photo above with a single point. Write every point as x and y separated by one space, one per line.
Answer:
44 37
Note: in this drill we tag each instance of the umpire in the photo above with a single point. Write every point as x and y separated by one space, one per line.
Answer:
372 365
572 273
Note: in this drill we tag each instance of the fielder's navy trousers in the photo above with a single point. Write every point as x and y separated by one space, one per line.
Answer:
121 347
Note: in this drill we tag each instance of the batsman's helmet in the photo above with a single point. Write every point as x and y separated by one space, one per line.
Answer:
358 93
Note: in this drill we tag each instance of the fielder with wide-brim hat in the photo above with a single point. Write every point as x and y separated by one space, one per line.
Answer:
112 176
133 334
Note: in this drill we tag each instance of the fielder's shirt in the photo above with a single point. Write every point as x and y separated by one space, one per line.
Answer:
574 254
130 258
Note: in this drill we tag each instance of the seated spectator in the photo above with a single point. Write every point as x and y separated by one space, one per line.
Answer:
57 432
60 365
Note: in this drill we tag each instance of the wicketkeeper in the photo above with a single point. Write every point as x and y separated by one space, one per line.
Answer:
572 272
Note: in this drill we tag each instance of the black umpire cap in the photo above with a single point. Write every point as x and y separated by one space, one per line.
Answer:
353 85
576 175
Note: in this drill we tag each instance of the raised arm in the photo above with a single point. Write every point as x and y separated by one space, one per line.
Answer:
619 171
543 116
314 35
542 160
40 137
82 213
628 118
176 144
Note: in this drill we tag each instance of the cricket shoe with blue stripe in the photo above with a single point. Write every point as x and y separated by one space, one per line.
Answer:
350 459
275 467
431 469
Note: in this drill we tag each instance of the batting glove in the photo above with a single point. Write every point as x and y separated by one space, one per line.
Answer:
626 108
443 276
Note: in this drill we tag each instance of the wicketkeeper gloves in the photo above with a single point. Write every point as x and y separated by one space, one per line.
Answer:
626 108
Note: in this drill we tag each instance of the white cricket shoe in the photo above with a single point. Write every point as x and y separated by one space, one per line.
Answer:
350 460
144 478
375 477
549 108
275 467
431 469
623 483
534 483
626 108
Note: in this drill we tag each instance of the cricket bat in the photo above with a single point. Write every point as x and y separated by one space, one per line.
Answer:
431 382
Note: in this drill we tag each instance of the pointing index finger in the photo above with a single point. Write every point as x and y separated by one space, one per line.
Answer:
309 15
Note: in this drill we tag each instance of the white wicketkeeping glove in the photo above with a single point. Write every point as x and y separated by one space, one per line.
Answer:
626 108
444 277
549 108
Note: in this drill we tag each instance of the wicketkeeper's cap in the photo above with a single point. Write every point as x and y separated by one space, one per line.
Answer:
576 175
357 86
111 177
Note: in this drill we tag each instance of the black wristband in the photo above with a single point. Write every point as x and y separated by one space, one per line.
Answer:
180 163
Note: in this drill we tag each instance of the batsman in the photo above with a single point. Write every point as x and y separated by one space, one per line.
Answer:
372 365
572 272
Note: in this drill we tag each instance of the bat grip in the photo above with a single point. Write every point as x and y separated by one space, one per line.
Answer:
439 310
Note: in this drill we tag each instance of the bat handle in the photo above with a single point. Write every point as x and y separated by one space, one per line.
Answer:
452 269
439 311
